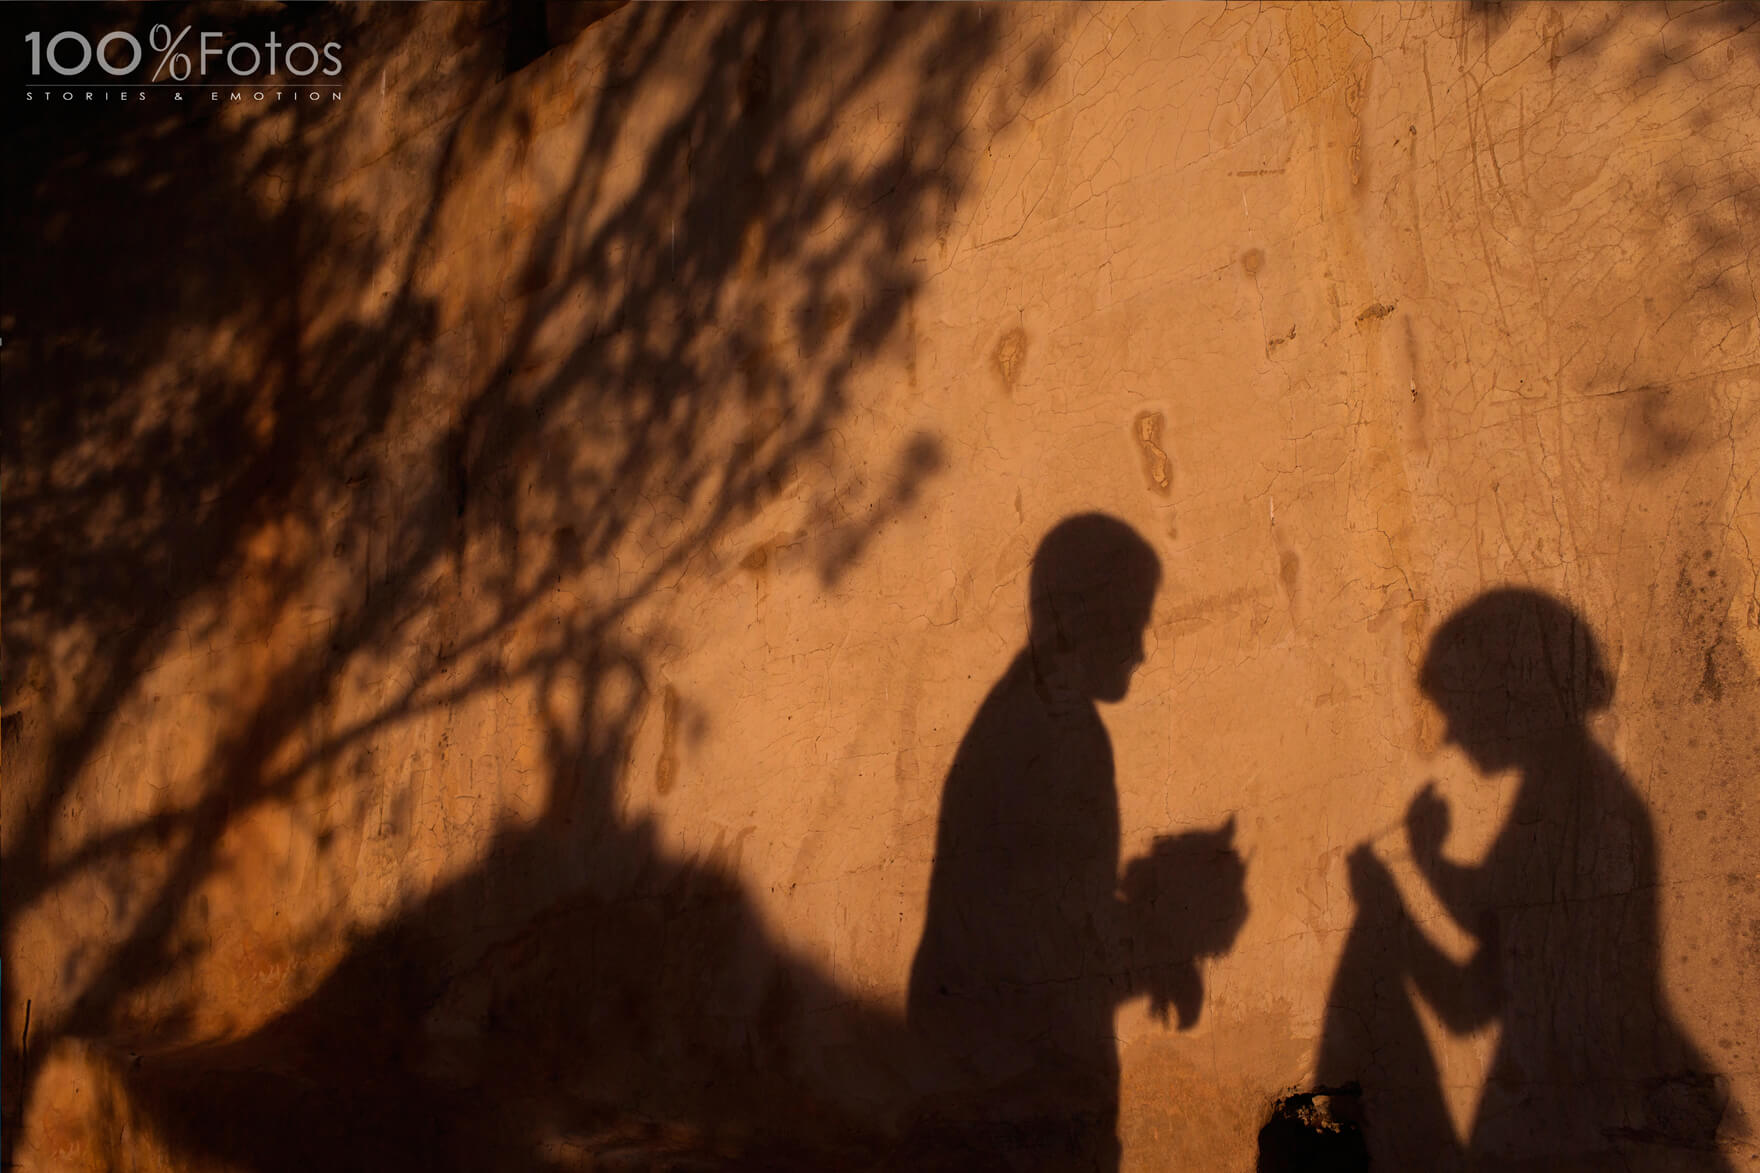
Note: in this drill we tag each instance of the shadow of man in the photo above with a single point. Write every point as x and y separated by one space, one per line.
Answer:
1590 1071
1028 947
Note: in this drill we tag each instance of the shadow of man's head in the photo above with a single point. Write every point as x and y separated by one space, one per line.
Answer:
1512 670
1092 585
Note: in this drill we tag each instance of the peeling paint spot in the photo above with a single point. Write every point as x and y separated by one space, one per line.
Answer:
1157 467
1010 353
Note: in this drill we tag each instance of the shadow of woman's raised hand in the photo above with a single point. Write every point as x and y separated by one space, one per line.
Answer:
1427 824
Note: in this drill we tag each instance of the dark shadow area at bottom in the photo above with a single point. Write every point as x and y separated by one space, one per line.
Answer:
656 1029
1315 1132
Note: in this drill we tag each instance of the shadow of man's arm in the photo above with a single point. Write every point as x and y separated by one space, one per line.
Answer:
1181 901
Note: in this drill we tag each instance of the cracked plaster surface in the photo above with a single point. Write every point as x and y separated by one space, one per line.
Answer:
1353 312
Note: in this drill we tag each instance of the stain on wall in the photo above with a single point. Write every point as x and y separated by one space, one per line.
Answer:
1009 356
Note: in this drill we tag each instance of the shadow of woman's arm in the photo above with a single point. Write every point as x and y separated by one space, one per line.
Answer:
1465 997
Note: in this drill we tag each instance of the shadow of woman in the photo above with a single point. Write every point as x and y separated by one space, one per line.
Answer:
1032 939
1590 1071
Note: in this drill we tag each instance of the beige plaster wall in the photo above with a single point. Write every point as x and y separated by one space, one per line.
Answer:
498 570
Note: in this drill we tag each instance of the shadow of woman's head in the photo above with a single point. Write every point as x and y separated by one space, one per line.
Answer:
1512 670
1092 585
